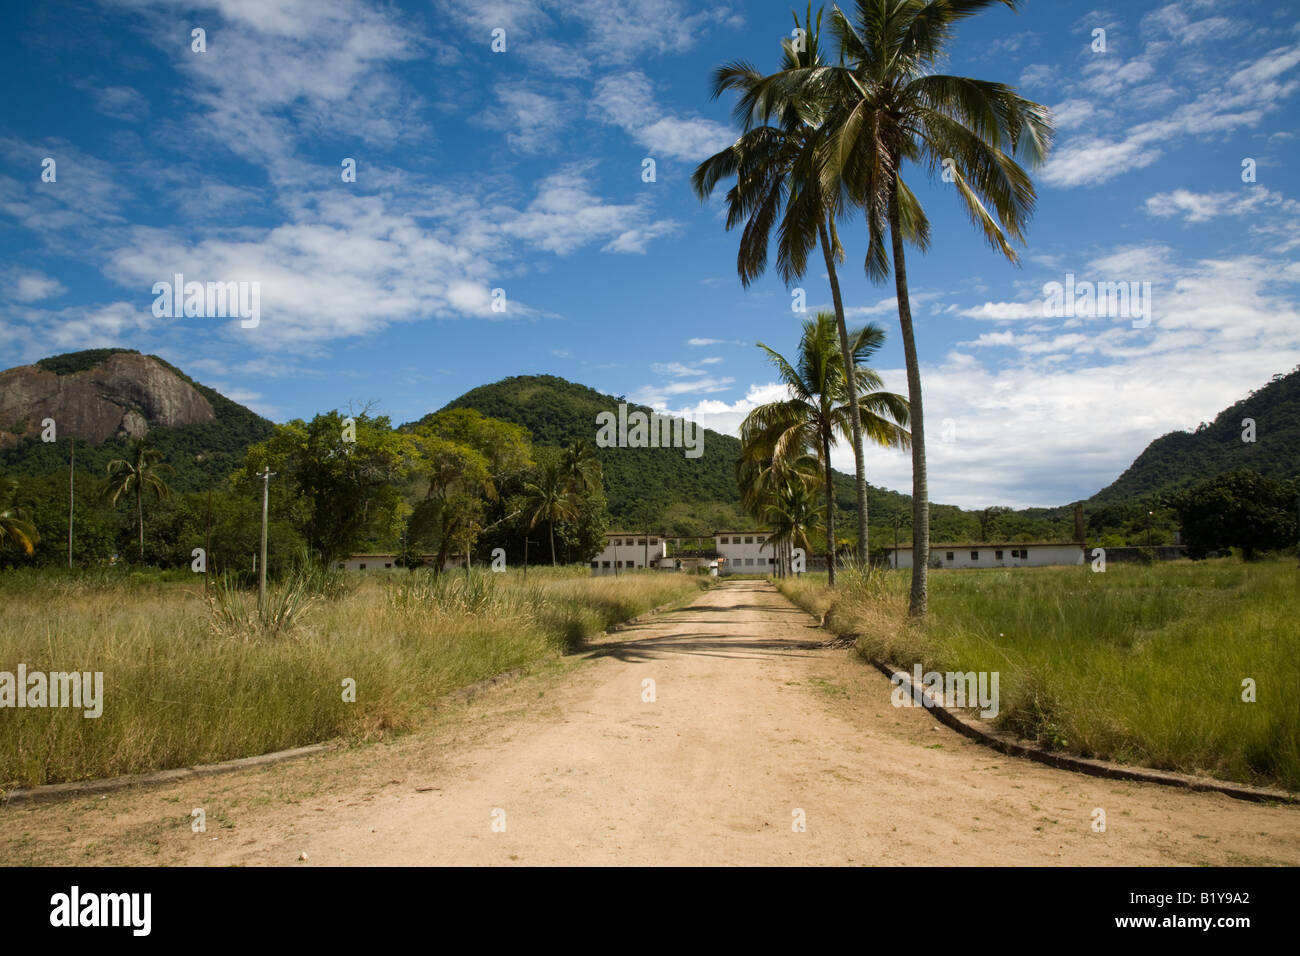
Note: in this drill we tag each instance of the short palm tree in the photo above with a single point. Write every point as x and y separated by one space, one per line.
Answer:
142 472
582 466
782 495
816 413
15 528
550 497
883 105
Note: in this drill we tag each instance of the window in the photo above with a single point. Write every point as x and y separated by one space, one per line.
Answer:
595 565
997 555
604 564
724 541
640 541
974 555
1015 553
750 562
949 555
762 538
654 540
342 566
361 567
749 540
387 565
771 560
1024 555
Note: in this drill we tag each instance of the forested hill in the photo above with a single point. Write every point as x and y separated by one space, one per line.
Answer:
142 390
642 484
1180 459
657 486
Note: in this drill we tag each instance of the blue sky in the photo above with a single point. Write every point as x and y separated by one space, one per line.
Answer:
522 170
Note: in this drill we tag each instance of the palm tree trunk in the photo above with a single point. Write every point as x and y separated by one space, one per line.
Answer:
830 511
139 513
859 461
551 526
920 487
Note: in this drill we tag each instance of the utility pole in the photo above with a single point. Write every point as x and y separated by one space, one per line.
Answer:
207 543
72 451
1150 516
266 476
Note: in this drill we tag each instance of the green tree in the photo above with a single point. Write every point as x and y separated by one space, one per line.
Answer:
340 492
816 414
550 496
142 472
1238 509
884 104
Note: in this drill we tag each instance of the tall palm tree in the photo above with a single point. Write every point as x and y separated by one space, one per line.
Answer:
550 497
816 414
143 472
883 104
777 164
15 528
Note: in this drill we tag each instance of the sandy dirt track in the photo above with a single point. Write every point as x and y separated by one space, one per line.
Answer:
751 722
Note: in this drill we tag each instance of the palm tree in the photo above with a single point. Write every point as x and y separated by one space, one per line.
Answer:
582 466
15 528
777 163
882 104
550 497
781 494
815 415
142 473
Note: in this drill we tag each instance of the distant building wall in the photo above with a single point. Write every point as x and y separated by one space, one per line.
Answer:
1007 555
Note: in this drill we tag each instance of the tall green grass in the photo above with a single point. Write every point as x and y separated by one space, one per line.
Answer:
1140 664
191 680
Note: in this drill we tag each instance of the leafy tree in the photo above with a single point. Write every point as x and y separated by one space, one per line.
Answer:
341 493
142 472
1239 509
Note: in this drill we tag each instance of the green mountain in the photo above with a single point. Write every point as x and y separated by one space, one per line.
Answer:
1181 459
658 487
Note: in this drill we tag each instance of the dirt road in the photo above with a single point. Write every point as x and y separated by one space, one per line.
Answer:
751 729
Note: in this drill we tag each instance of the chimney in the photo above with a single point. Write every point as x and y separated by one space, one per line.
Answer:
1078 522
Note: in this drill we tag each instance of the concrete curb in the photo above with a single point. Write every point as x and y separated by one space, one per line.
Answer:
49 793
85 788
1096 768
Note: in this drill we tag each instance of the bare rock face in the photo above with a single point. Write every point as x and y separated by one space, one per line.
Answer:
124 395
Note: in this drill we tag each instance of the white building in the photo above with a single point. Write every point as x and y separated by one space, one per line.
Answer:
1012 554
744 552
629 550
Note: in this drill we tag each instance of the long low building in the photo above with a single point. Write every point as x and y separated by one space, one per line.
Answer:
1009 554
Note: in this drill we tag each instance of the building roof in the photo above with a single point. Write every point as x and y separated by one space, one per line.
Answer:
750 531
935 546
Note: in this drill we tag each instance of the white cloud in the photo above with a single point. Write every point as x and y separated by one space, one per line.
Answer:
34 286
627 101
1202 207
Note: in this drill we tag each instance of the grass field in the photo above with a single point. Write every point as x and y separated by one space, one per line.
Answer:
1140 664
186 684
